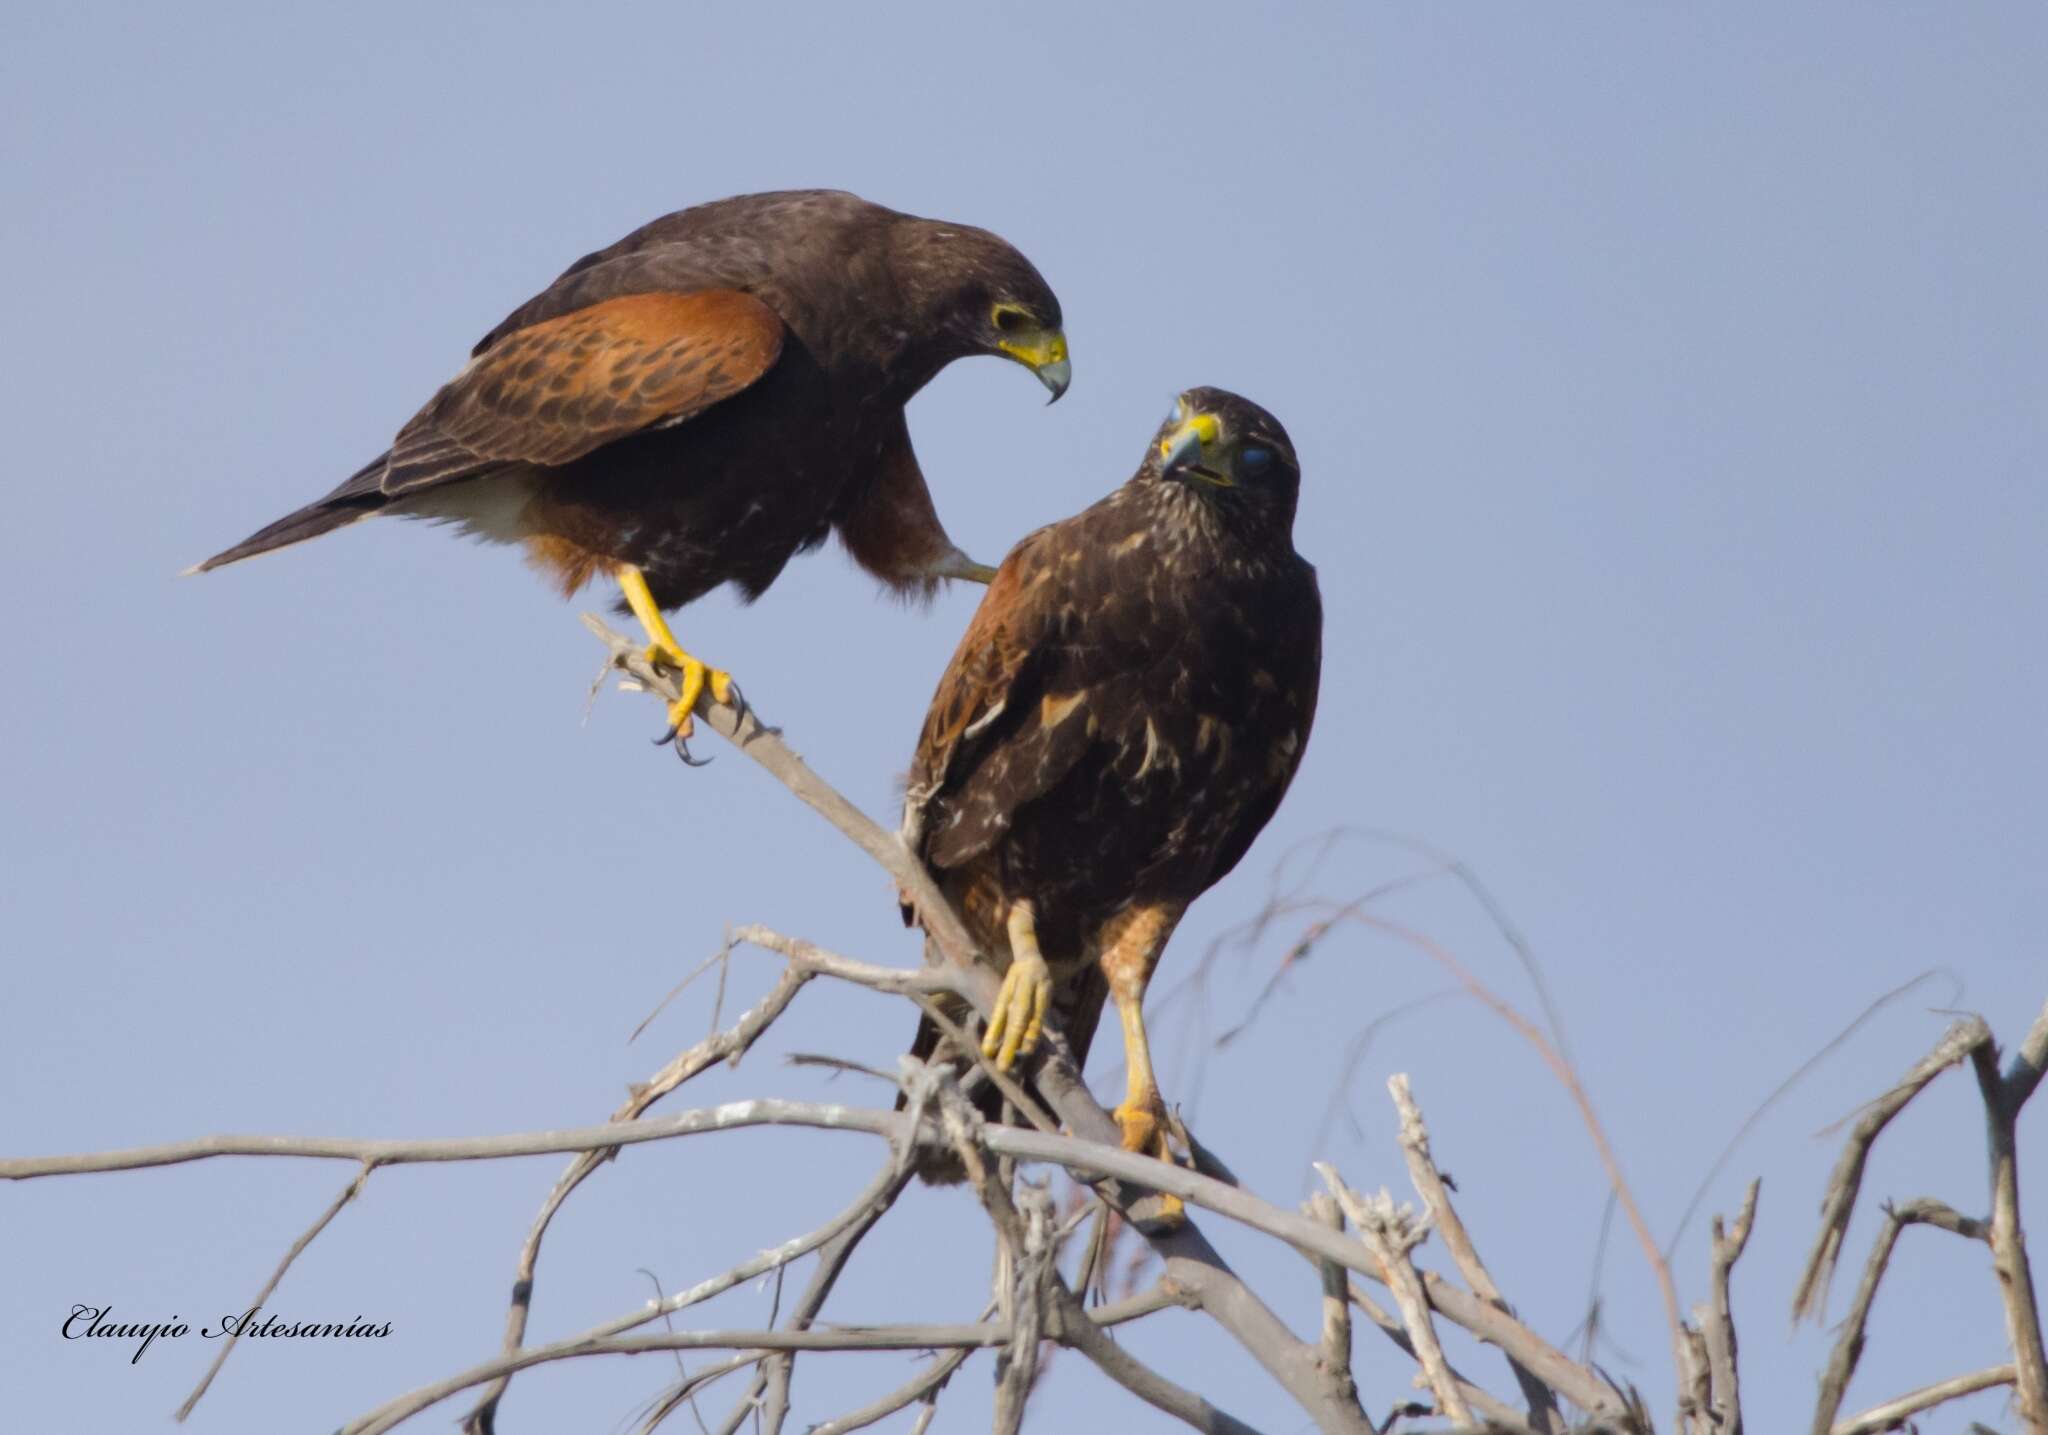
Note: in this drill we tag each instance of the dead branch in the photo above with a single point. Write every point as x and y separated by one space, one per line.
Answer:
1323 1207
1190 1260
925 1386
1723 1406
1037 1309
1567 1076
1848 1349
728 1046
348 1193
2003 1097
1894 1413
1389 1232
1810 1297
1436 1199
1499 1413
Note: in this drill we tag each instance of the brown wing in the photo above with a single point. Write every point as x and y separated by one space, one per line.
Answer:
1010 717
976 684
557 390
982 681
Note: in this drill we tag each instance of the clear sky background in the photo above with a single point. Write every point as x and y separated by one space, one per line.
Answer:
1669 390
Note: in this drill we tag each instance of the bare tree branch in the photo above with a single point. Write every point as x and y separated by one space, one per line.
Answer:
1567 1076
895 1337
1037 1308
1724 1399
727 1046
1390 1232
348 1193
1502 1416
1323 1207
1893 1413
1848 1349
2008 1238
1810 1297
1436 1197
1190 1260
922 1386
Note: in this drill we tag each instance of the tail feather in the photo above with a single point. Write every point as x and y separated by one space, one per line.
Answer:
309 522
356 499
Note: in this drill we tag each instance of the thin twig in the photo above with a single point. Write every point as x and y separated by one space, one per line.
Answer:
896 1337
1504 1417
1389 1232
1567 1075
925 1385
1810 1296
2008 1237
1436 1198
1192 1262
1894 1413
728 1046
348 1193
1724 1402
1336 1343
1848 1348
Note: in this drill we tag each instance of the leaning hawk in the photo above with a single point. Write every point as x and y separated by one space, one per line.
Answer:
712 394
1123 716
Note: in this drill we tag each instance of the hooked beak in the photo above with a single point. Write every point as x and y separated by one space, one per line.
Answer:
1045 354
1185 445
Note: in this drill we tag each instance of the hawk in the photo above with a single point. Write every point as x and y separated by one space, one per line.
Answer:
1122 717
710 395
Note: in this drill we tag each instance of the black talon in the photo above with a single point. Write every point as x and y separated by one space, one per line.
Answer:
668 735
683 752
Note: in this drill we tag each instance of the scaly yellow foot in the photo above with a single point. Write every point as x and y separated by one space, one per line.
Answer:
1019 1018
664 651
696 675
1144 1125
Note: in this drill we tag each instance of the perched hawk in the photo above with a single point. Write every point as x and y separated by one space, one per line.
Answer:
1119 722
710 395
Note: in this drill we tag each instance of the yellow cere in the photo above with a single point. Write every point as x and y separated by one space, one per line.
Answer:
1206 427
1038 350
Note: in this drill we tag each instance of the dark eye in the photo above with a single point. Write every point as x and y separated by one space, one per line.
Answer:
1010 320
1253 462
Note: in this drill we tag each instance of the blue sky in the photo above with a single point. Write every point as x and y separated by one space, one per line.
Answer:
1668 387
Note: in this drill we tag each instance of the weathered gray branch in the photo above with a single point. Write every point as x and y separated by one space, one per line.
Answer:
1436 1197
1848 1349
1724 1391
2002 1101
1810 1296
1190 1260
1322 1207
1389 1232
348 1193
730 1046
1894 1413
1503 1417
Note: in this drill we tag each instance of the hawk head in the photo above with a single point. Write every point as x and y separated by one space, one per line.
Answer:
972 293
1230 453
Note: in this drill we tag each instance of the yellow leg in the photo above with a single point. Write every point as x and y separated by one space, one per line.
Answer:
1131 945
1019 1017
666 651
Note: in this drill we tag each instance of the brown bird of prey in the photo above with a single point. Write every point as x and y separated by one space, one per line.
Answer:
710 395
1122 717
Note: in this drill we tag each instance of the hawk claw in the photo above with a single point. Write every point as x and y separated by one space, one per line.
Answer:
1148 1128
1019 1017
